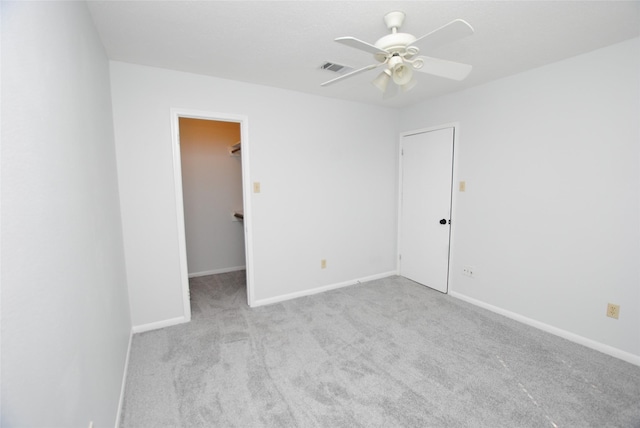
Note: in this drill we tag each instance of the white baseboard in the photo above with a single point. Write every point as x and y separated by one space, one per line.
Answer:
216 271
124 381
322 289
158 324
589 343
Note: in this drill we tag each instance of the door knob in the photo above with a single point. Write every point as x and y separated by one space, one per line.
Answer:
443 221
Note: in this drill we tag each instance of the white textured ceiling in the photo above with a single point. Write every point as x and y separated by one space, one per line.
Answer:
283 43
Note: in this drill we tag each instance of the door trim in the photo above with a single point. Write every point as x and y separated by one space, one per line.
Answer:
454 180
176 114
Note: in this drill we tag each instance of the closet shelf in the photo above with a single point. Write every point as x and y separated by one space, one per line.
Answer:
235 149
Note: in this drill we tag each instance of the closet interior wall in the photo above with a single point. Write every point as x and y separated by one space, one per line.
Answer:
212 193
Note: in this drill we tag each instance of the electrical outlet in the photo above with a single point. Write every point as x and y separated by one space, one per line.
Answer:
323 264
469 271
613 311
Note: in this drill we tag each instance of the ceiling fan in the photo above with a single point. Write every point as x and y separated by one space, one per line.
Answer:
399 53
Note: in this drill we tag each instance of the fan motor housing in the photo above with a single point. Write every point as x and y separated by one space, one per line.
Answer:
395 43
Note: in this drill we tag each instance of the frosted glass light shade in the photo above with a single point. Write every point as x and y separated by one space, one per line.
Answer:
382 81
402 74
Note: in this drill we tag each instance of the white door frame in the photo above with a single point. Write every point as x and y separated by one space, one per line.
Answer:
456 133
176 114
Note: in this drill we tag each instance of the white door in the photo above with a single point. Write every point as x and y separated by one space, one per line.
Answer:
425 212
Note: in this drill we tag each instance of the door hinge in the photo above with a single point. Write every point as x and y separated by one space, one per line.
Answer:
399 256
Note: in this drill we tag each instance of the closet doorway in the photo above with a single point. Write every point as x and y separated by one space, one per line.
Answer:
214 217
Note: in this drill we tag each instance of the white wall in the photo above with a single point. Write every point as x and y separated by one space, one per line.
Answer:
327 170
212 191
65 312
550 217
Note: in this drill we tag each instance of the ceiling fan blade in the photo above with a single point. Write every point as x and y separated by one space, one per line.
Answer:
352 73
455 30
443 68
359 44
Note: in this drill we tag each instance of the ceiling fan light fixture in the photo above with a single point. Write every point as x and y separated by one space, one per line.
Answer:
402 74
394 61
382 81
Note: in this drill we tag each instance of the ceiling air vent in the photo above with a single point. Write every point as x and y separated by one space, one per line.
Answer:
336 68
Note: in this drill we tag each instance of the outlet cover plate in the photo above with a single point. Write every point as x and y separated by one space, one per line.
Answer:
613 311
